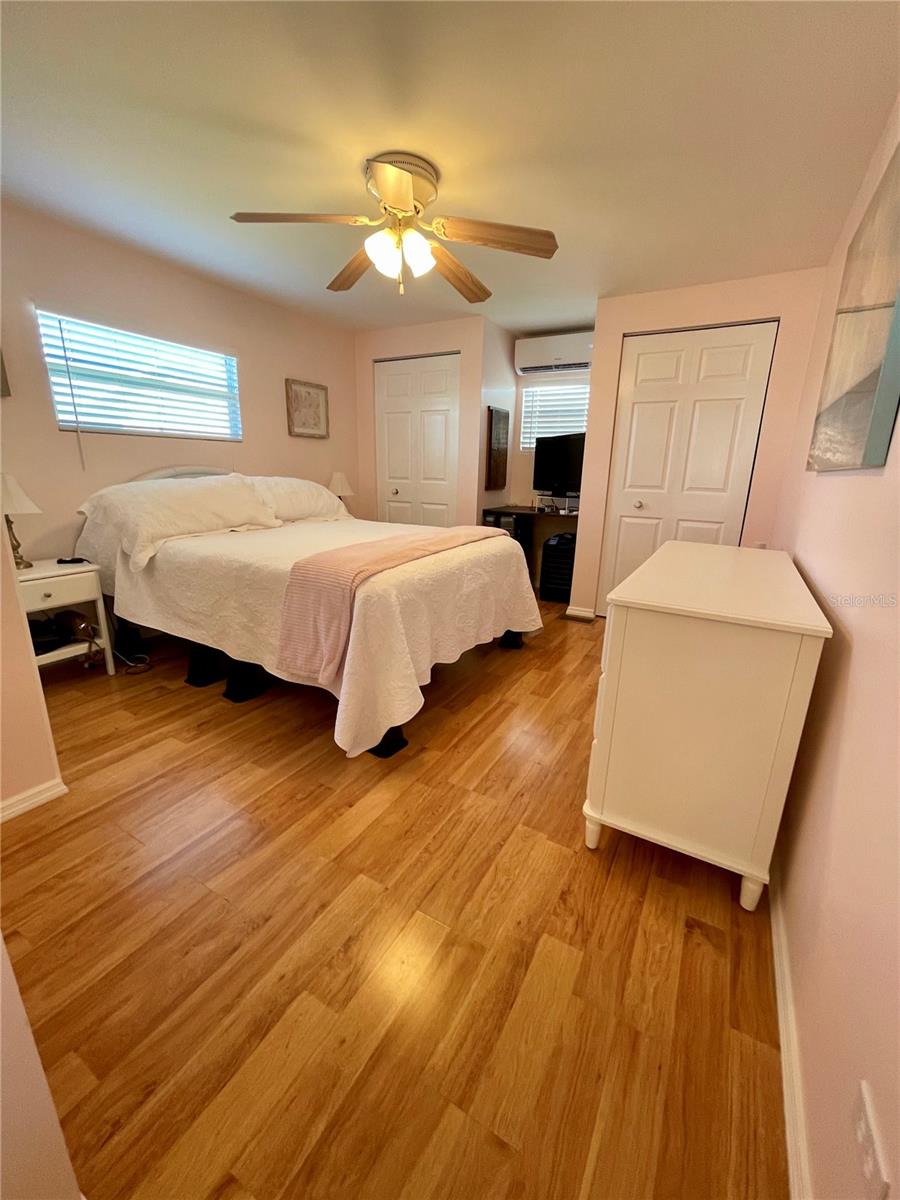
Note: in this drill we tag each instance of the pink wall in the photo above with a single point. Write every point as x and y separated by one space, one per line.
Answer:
465 337
67 269
27 754
792 298
840 889
34 1163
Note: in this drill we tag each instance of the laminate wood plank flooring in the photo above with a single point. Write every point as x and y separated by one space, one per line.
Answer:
258 970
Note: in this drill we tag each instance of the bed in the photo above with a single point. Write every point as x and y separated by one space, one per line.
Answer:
225 589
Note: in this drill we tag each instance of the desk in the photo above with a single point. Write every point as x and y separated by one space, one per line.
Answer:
524 523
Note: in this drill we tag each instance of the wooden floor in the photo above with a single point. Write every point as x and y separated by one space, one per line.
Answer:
258 969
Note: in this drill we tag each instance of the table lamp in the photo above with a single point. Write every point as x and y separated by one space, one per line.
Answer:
340 485
16 503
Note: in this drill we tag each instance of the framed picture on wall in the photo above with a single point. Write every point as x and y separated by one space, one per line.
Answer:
861 388
497 449
307 408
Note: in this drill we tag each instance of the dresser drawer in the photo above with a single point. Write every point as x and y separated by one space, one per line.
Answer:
54 593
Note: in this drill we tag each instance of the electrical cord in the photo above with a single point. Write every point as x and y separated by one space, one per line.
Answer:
136 666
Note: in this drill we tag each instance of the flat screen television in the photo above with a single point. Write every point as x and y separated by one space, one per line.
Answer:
557 464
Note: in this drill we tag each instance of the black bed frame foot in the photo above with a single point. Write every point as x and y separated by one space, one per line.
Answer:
205 666
245 681
392 742
511 640
127 638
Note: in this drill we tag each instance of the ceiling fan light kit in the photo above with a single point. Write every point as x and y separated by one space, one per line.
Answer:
388 250
404 185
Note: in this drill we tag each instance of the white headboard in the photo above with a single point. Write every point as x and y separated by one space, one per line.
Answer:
190 472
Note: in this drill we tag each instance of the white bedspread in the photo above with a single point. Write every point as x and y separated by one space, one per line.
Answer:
226 589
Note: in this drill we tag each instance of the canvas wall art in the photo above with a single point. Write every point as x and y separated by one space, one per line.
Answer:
861 388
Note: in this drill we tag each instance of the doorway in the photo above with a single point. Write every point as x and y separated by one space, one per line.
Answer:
689 410
417 439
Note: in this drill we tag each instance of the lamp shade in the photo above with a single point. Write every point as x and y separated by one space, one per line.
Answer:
340 485
416 252
383 249
15 500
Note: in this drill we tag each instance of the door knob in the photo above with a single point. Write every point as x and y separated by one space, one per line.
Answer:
638 504
395 491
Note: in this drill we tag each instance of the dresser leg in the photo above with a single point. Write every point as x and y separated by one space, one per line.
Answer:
592 833
751 890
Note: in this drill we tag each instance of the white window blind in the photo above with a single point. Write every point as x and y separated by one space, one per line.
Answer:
109 381
551 408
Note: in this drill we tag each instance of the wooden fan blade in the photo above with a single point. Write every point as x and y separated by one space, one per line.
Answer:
519 239
448 265
394 186
351 273
300 218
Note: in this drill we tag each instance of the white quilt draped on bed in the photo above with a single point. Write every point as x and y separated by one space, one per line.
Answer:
226 589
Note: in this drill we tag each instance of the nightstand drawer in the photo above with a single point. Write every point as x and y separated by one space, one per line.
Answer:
59 591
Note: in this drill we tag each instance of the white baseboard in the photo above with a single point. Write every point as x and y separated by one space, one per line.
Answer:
791 1073
580 614
31 798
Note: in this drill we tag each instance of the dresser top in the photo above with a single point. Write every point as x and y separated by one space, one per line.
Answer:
49 568
724 583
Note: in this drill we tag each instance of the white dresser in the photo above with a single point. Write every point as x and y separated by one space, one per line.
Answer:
709 659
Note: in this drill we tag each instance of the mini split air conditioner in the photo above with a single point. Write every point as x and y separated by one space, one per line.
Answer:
558 352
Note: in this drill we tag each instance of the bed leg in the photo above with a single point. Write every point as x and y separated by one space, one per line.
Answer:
392 742
511 640
126 637
205 666
245 681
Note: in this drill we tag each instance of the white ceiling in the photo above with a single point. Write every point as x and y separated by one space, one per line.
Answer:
665 144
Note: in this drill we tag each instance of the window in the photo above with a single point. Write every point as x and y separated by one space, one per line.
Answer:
551 408
108 381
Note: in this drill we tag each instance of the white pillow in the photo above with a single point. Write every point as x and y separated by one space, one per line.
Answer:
146 513
299 499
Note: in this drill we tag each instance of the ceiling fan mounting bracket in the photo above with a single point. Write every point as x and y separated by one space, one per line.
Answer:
425 175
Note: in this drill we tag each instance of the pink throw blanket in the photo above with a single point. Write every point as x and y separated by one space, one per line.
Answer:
318 599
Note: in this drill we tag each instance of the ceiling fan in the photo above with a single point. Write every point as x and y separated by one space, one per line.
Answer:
404 185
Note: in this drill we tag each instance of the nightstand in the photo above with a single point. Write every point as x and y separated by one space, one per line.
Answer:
49 584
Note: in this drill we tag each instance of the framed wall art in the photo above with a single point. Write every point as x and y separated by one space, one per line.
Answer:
861 388
307 408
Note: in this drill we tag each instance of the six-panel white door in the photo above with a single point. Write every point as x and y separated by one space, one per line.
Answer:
687 423
417 439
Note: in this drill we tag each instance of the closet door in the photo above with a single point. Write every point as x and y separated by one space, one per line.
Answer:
417 439
687 422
